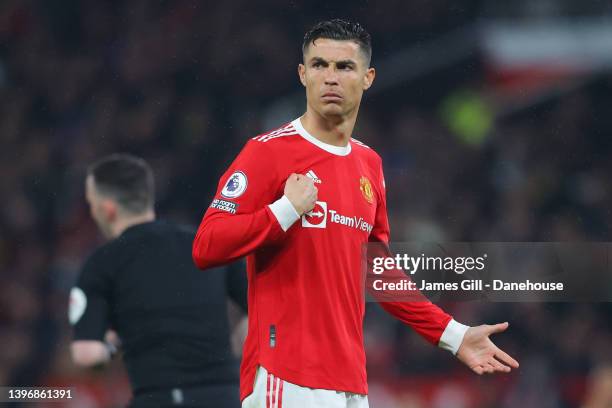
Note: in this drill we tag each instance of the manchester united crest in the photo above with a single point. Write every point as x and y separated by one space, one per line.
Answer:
366 189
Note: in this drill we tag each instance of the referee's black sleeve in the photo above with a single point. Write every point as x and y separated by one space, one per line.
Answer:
89 302
236 281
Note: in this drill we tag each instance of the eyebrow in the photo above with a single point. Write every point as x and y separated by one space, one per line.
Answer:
322 60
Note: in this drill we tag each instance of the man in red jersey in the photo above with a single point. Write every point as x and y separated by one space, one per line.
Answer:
300 202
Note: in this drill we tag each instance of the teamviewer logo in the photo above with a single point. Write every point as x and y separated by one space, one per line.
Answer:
317 217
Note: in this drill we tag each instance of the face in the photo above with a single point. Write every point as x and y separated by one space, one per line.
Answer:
103 210
335 74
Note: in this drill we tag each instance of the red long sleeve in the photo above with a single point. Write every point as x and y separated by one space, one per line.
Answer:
238 221
427 319
221 239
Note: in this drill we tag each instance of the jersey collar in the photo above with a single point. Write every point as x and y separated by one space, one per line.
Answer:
337 150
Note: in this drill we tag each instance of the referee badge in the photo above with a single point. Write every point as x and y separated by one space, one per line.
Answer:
76 305
366 189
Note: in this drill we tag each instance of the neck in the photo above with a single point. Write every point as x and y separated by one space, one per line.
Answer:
336 131
129 221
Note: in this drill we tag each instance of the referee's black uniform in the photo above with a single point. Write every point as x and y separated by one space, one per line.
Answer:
171 317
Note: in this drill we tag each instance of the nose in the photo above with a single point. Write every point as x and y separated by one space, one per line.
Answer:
331 76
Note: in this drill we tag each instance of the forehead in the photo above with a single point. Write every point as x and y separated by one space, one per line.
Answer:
333 50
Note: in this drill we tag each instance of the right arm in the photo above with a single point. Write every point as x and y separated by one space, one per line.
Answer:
221 239
246 212
89 313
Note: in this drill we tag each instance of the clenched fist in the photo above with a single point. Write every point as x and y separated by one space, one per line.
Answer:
302 193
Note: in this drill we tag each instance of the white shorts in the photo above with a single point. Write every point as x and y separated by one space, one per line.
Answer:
272 392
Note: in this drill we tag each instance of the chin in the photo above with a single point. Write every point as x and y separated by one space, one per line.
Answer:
332 110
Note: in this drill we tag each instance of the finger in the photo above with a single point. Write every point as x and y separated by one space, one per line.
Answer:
310 193
491 369
488 368
478 370
499 367
497 328
505 358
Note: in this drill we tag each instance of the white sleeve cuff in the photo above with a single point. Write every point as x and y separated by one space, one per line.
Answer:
284 212
453 336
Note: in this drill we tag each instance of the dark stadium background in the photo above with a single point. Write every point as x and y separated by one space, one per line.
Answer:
494 120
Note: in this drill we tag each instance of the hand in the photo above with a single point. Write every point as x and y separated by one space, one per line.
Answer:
112 341
479 353
111 337
302 193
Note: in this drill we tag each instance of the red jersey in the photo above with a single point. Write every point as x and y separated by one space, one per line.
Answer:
306 300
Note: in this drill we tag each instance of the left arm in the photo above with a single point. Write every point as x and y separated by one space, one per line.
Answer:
427 319
471 345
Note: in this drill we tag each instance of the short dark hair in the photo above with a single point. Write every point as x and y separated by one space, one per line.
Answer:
338 29
127 179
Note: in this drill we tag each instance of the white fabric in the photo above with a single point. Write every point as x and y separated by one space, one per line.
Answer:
284 212
337 150
272 392
453 336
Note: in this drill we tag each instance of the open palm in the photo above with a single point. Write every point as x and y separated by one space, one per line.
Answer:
481 355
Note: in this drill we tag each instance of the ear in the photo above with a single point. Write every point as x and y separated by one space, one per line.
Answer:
302 73
109 210
368 78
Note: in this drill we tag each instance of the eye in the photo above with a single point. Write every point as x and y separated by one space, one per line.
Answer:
317 64
345 67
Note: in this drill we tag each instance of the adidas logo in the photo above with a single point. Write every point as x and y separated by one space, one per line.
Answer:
313 176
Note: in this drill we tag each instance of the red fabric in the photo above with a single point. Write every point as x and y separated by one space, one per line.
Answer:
268 385
306 282
274 390
280 394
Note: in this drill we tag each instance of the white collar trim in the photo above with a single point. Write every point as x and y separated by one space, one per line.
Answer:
337 150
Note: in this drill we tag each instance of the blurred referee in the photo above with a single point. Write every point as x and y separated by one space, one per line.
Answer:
171 319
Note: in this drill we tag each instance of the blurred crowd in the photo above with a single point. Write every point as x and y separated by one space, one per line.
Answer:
184 84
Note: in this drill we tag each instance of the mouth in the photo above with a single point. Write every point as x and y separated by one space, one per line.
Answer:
332 97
